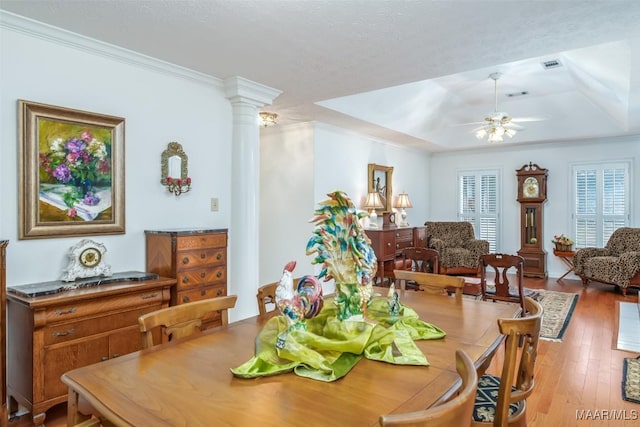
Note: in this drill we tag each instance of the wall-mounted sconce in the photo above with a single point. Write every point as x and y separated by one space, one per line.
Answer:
174 169
267 119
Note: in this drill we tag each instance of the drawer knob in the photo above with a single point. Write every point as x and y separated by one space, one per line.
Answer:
185 280
147 296
186 298
202 275
185 260
63 333
219 257
116 355
63 312
219 274
104 358
397 234
203 255
219 292
388 244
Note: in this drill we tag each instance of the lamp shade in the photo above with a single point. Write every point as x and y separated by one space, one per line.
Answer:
403 201
373 201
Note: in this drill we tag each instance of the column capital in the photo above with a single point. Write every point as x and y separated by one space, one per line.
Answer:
239 89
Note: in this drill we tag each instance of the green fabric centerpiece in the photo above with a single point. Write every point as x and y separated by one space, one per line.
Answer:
327 348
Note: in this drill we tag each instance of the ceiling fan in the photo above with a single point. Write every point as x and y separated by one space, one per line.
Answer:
498 124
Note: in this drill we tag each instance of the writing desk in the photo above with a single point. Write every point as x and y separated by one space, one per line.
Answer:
188 382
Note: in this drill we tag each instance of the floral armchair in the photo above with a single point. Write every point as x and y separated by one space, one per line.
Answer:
459 249
618 263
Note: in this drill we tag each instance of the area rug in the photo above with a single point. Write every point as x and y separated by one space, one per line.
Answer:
558 309
631 380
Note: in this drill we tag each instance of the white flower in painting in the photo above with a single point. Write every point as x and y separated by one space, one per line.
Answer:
97 148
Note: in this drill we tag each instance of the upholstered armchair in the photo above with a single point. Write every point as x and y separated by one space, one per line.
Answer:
458 247
618 263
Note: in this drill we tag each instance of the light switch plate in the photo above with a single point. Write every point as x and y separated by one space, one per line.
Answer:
214 204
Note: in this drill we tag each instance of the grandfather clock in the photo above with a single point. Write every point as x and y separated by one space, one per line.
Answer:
532 193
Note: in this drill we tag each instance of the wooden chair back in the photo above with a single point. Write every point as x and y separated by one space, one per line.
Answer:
429 282
455 412
267 295
183 320
525 330
424 260
503 265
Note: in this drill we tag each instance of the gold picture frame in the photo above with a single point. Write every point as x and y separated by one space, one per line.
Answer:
71 169
381 180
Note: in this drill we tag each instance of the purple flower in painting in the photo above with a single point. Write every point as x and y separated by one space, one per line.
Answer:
75 145
62 173
91 199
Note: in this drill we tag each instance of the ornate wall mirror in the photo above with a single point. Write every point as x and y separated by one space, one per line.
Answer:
380 181
174 169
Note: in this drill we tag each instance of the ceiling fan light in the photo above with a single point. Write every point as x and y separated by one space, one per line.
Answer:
510 132
480 134
494 137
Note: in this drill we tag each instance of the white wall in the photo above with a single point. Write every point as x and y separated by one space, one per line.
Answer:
286 199
557 157
160 103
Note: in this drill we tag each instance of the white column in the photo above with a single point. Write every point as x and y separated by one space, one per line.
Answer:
246 98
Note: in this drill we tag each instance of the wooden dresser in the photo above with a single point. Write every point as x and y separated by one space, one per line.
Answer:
52 334
388 243
3 333
197 259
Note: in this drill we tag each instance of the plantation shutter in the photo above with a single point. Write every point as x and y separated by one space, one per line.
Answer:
601 197
478 204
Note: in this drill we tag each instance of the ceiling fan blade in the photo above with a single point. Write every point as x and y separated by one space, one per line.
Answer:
529 119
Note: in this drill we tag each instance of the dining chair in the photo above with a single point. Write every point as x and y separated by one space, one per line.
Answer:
502 265
182 320
266 297
500 402
425 260
429 282
455 412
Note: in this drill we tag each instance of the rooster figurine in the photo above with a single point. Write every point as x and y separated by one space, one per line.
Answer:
298 303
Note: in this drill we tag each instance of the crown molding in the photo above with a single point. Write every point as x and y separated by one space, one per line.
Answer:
37 29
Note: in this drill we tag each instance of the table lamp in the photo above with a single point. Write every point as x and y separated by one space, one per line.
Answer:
403 203
372 203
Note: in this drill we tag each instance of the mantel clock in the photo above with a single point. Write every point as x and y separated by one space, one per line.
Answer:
532 193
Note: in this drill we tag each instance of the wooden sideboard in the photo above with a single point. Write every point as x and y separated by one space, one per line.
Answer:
388 243
4 415
52 334
197 259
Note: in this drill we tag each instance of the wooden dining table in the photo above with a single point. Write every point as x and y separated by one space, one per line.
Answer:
189 383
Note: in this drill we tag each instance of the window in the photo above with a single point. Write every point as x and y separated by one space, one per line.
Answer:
478 203
601 197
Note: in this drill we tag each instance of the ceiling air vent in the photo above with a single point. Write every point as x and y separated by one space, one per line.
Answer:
553 63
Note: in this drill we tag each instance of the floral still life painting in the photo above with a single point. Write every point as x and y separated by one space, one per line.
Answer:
323 338
75 169
72 164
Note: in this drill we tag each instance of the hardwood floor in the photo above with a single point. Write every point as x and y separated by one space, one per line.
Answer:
578 380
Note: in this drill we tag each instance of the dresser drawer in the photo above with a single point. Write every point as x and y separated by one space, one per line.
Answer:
201 258
63 332
200 293
402 244
79 309
202 241
404 235
201 276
